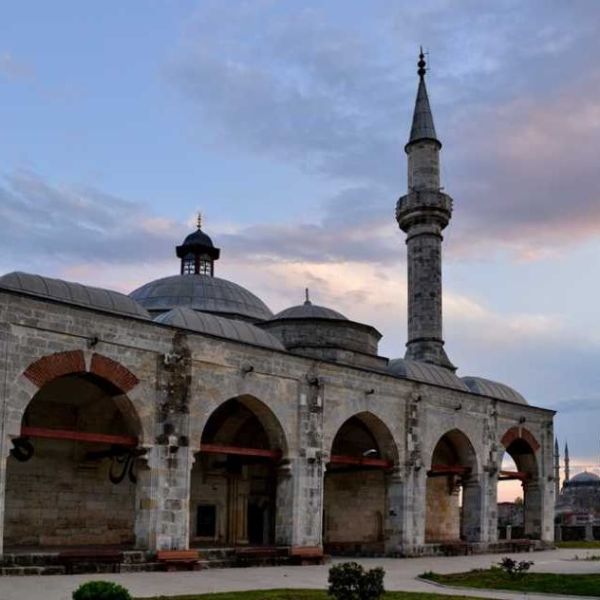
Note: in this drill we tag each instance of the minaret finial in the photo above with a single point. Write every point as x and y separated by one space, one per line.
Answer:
199 220
307 296
421 64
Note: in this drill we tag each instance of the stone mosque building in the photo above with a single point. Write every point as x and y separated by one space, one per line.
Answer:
577 502
187 414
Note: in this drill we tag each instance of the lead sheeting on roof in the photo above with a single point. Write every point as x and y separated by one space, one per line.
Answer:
487 387
73 293
203 293
240 331
425 372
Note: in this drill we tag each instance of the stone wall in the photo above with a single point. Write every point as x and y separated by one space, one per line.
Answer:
443 512
354 507
59 499
301 402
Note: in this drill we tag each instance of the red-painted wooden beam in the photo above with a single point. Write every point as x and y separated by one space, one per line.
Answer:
363 461
240 451
79 436
507 475
441 470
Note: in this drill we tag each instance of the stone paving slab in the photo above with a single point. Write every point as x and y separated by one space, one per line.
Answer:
400 576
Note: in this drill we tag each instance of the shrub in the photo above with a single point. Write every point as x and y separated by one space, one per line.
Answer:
101 590
349 581
513 568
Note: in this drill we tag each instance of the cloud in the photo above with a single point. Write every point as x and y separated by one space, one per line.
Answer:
47 227
519 123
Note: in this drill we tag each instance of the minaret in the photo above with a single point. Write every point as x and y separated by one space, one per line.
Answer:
567 468
556 470
422 214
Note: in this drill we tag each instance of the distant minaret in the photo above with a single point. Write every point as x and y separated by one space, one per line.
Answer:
556 470
567 470
422 214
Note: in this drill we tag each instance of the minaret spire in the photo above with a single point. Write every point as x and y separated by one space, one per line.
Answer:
567 461
422 123
422 214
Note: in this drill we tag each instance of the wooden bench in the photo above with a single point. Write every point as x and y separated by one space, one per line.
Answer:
91 556
175 559
456 548
307 555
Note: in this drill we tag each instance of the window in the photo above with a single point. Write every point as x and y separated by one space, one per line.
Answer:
205 267
206 520
189 266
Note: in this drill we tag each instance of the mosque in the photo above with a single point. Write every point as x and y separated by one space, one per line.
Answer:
577 502
187 415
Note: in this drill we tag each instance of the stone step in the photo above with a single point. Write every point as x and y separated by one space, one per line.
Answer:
48 570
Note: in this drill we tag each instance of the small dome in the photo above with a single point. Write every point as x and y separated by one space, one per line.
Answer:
73 293
203 293
487 387
308 310
198 238
585 477
426 372
185 318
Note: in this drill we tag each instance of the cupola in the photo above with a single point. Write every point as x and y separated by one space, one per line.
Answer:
197 253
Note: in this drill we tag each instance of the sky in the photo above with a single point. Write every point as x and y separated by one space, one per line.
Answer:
285 123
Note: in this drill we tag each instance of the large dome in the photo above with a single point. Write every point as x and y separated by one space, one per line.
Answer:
203 293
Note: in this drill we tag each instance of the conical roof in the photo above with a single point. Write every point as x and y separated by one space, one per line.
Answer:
422 123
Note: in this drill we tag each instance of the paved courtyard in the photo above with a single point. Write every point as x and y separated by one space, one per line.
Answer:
400 575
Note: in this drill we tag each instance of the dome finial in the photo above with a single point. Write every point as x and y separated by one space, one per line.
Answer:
421 64
307 297
199 220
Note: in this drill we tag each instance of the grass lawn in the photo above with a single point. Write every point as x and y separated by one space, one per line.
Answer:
580 544
575 585
302 595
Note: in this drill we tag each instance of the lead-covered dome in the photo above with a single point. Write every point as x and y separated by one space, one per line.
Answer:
70 292
585 477
203 293
186 318
308 310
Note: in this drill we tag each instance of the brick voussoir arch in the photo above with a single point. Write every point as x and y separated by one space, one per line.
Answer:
116 373
52 366
515 433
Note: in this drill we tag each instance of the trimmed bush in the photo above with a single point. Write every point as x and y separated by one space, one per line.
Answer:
349 581
101 590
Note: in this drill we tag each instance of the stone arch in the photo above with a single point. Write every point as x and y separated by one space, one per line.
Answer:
453 471
522 446
206 397
73 431
362 453
382 436
234 480
55 365
267 418
51 367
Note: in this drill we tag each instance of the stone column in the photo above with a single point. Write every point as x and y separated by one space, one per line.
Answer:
395 526
473 513
417 507
307 518
532 509
284 517
162 499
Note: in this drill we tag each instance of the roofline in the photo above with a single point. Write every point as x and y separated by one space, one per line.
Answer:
364 326
152 323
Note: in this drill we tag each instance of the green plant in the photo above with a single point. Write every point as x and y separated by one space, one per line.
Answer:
349 581
101 590
513 568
